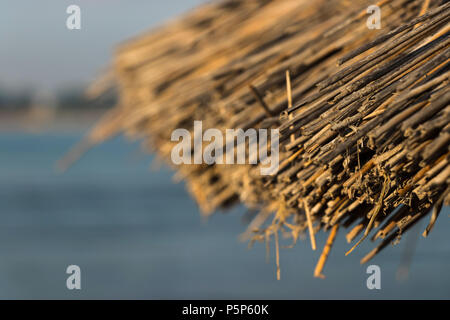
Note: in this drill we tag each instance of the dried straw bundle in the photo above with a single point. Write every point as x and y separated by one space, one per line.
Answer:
363 145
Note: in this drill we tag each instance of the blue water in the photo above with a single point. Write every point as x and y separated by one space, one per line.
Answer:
136 235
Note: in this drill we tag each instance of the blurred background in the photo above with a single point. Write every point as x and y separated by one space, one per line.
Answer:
135 234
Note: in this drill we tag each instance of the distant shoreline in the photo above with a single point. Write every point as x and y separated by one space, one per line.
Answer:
49 121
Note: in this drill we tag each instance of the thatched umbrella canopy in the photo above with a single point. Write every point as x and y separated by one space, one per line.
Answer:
363 114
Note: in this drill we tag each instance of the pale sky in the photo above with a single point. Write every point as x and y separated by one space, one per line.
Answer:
37 50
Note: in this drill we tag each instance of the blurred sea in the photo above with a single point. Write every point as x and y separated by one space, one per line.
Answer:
136 235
